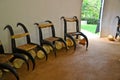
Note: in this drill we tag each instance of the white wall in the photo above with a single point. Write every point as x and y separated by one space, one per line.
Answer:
31 11
109 22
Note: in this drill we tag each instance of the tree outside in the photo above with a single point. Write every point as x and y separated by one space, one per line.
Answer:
90 13
91 9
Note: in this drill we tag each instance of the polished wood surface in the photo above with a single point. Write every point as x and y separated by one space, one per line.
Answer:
4 58
27 47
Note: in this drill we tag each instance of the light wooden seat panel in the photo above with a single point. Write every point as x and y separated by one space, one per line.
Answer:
51 39
4 58
27 47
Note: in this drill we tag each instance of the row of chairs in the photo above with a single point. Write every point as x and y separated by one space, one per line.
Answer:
24 50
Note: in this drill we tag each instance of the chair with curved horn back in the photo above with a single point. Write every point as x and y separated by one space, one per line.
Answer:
12 56
76 34
50 40
15 49
30 45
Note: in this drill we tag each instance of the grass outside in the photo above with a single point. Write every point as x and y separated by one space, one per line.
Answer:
89 27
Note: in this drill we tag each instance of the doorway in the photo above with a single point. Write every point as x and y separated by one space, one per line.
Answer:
91 17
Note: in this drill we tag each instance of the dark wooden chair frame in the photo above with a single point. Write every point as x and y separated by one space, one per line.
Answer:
51 40
5 57
14 55
71 34
17 50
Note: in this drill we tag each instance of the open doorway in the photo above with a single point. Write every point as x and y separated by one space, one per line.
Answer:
91 17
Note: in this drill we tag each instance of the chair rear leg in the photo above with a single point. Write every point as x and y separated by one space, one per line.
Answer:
87 43
28 55
69 36
18 55
49 43
60 39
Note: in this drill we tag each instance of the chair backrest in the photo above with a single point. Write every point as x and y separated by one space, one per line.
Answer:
73 19
16 36
13 43
118 20
26 34
46 24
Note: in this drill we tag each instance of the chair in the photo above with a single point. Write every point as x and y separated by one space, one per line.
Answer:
76 34
23 49
50 40
30 45
10 57
118 28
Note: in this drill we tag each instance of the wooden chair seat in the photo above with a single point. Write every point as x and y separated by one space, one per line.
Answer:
74 33
51 39
27 47
4 58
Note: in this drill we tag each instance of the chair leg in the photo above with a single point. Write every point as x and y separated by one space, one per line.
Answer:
60 39
41 48
116 35
85 39
17 55
49 43
69 36
27 54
